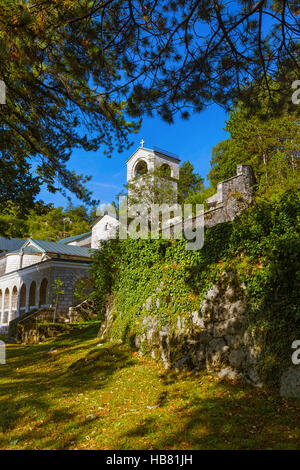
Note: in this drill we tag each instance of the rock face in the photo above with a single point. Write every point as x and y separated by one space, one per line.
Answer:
83 312
290 382
214 338
217 337
32 333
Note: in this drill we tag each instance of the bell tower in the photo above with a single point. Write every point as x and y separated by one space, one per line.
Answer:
145 160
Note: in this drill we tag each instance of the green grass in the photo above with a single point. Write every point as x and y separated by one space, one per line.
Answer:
88 397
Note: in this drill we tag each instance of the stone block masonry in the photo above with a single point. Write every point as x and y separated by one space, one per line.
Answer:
232 197
30 288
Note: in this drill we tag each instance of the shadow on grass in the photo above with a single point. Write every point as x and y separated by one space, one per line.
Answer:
102 362
230 416
38 380
43 393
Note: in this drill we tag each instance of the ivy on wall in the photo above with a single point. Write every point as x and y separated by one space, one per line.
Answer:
160 277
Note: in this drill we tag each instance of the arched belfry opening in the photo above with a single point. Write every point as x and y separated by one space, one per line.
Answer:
141 168
165 171
6 306
160 166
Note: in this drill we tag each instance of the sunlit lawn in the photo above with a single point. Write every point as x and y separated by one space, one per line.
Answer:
86 396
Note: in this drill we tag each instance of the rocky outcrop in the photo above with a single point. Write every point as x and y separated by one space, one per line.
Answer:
35 326
215 338
30 332
83 312
290 382
219 337
108 318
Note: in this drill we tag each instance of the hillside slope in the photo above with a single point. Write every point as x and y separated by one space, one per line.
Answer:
72 393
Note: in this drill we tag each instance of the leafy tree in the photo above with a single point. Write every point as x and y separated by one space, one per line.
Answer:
51 64
170 56
74 71
270 144
189 182
57 289
152 187
199 197
83 290
57 224
47 222
16 184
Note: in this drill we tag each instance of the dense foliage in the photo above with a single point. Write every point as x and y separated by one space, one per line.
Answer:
45 222
270 144
74 72
51 66
189 182
261 248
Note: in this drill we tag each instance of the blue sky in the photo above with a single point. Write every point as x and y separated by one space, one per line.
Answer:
192 140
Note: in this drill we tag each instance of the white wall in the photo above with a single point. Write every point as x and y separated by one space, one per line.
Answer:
29 259
153 160
85 242
103 230
12 262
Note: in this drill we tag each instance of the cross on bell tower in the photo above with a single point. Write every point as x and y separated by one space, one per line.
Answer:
145 160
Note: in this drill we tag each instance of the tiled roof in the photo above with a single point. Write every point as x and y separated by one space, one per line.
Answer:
60 248
11 244
28 249
76 237
156 150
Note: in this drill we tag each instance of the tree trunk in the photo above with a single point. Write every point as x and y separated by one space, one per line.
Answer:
55 309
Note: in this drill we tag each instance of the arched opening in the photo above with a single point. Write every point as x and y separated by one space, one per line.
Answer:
43 292
1 306
23 297
14 303
6 306
141 168
165 171
32 294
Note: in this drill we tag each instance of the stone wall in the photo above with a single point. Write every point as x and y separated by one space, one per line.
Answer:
83 312
2 265
31 331
12 262
217 338
28 259
232 197
29 327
